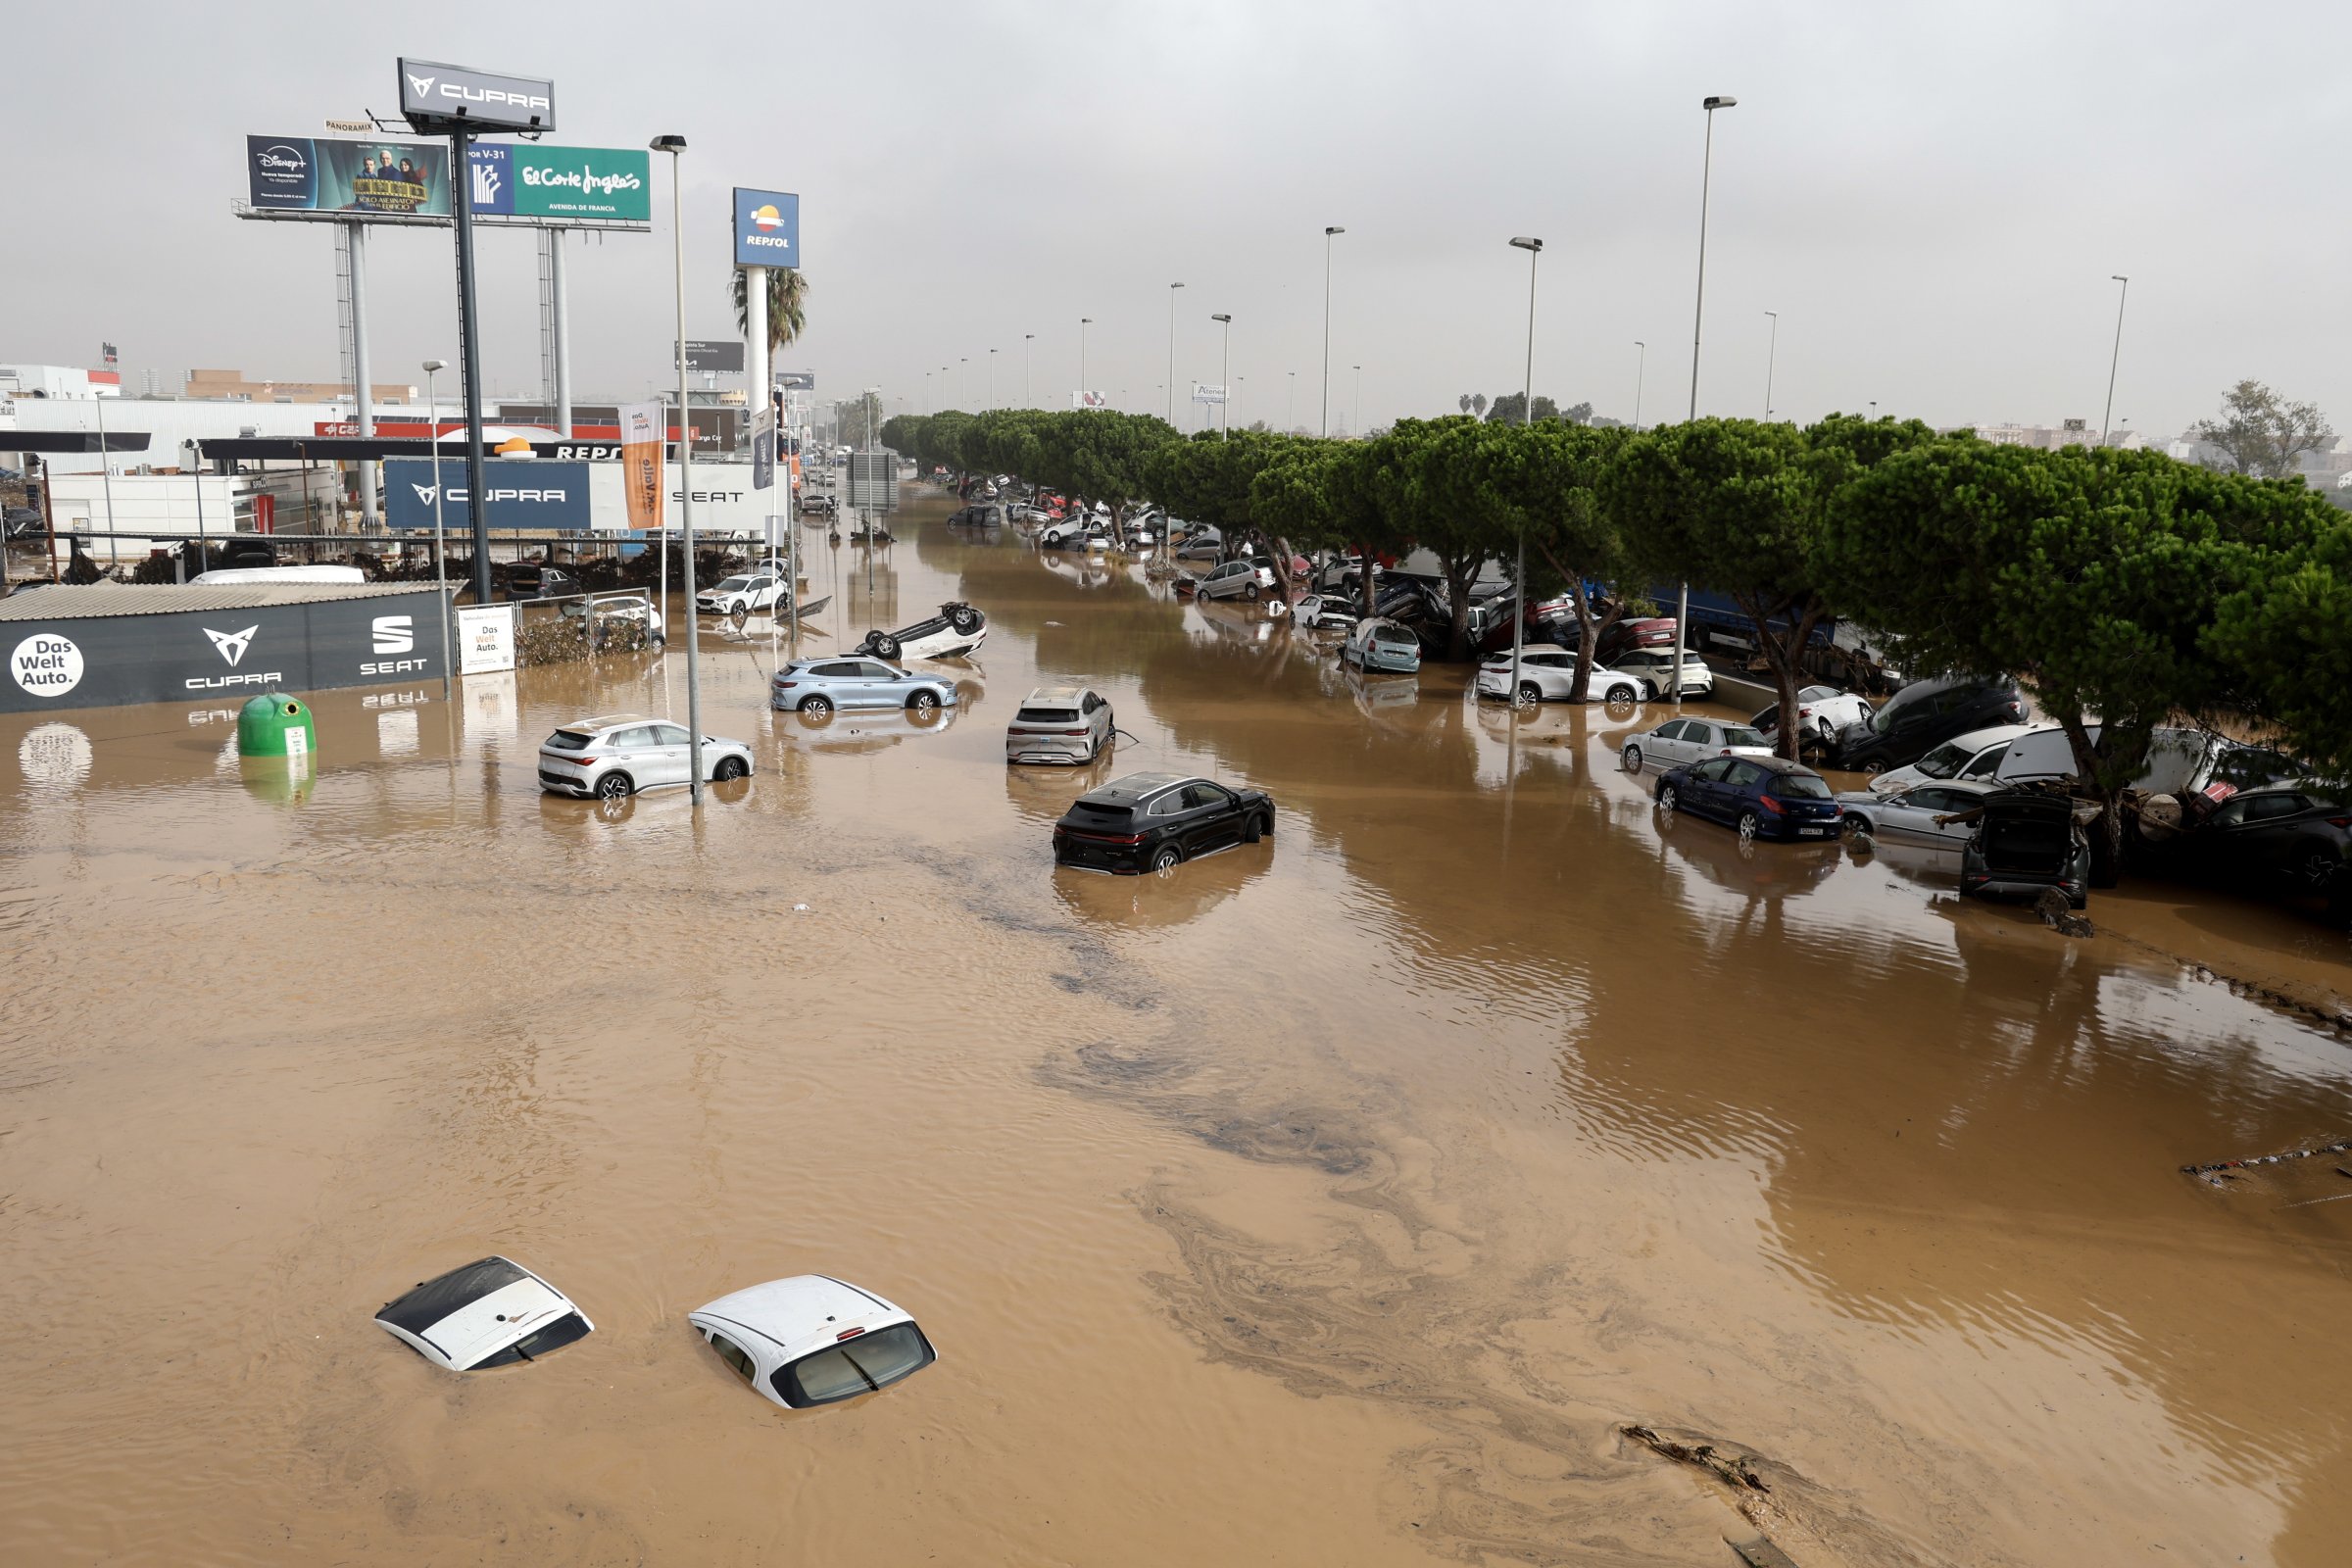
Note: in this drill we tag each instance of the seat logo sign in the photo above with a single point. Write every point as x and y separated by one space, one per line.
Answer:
233 644
46 666
393 634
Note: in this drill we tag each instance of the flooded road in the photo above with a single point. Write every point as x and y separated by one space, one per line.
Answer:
1340 1200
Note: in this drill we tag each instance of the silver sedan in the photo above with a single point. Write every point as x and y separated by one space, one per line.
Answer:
817 686
1913 813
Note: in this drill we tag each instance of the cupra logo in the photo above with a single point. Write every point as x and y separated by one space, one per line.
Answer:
425 493
233 644
421 86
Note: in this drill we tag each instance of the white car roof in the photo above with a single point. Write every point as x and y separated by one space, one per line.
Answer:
802 1314
611 721
1976 740
469 1314
1055 693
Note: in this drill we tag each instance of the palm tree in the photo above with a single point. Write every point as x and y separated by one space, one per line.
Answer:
787 307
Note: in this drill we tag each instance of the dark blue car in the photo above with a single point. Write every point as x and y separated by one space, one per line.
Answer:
1763 797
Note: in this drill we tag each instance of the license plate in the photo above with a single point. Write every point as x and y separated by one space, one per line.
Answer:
1811 832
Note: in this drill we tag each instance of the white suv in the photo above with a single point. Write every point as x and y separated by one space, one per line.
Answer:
1649 666
621 753
1069 724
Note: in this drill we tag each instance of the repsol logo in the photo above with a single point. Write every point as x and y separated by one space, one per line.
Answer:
774 242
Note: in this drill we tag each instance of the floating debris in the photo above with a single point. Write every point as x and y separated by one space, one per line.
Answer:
2267 1159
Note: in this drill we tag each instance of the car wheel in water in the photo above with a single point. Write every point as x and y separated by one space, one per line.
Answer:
1855 827
1632 758
730 769
1251 832
1166 860
923 701
1666 799
1251 593
2317 871
614 786
1750 826
1620 697
1530 692
816 706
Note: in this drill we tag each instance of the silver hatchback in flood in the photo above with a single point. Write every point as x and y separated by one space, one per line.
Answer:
620 754
1069 724
816 687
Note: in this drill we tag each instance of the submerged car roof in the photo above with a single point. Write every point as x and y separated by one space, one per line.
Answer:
471 1312
1054 694
805 1312
1133 788
610 720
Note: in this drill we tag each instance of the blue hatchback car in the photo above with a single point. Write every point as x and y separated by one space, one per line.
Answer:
1763 797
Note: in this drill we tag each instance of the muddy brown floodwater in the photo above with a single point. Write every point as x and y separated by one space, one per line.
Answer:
1340 1200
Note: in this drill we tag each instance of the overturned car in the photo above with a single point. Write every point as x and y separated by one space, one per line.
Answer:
957 630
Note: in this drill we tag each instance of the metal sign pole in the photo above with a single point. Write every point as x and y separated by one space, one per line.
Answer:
470 358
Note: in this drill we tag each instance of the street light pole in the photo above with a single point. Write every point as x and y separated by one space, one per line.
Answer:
676 146
2117 357
1028 364
1172 288
432 433
1770 354
1290 404
1360 402
1327 234
1640 369
1225 378
1698 316
992 378
1084 321
1534 249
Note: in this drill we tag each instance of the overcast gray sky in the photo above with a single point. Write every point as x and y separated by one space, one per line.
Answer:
1933 198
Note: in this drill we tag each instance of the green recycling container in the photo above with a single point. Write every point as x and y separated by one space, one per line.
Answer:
274 724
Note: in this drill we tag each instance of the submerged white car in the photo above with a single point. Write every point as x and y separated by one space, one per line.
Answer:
813 1340
491 1312
615 754
1067 725
744 591
1548 674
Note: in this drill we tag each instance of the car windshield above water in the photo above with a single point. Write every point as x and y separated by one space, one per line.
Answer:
1741 735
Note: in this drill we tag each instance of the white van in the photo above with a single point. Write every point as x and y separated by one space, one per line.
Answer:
2179 759
226 576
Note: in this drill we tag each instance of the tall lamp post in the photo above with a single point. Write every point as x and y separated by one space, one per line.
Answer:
1225 378
1360 402
1640 369
1327 234
432 433
2117 357
1706 175
1534 248
1172 288
676 146
1084 321
1028 365
992 378
1771 353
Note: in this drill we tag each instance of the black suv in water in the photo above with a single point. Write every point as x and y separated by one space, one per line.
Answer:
2027 840
1921 716
1155 821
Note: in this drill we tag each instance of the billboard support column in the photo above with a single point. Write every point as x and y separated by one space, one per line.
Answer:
364 396
470 360
756 393
563 313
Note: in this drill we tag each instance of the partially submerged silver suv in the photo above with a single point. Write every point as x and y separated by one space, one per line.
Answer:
618 755
1069 724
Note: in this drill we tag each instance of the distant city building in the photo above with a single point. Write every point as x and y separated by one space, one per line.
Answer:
58 381
230 387
2050 438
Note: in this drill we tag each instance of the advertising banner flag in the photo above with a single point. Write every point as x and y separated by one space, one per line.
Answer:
1203 393
767 227
1090 400
347 178
764 450
641 431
